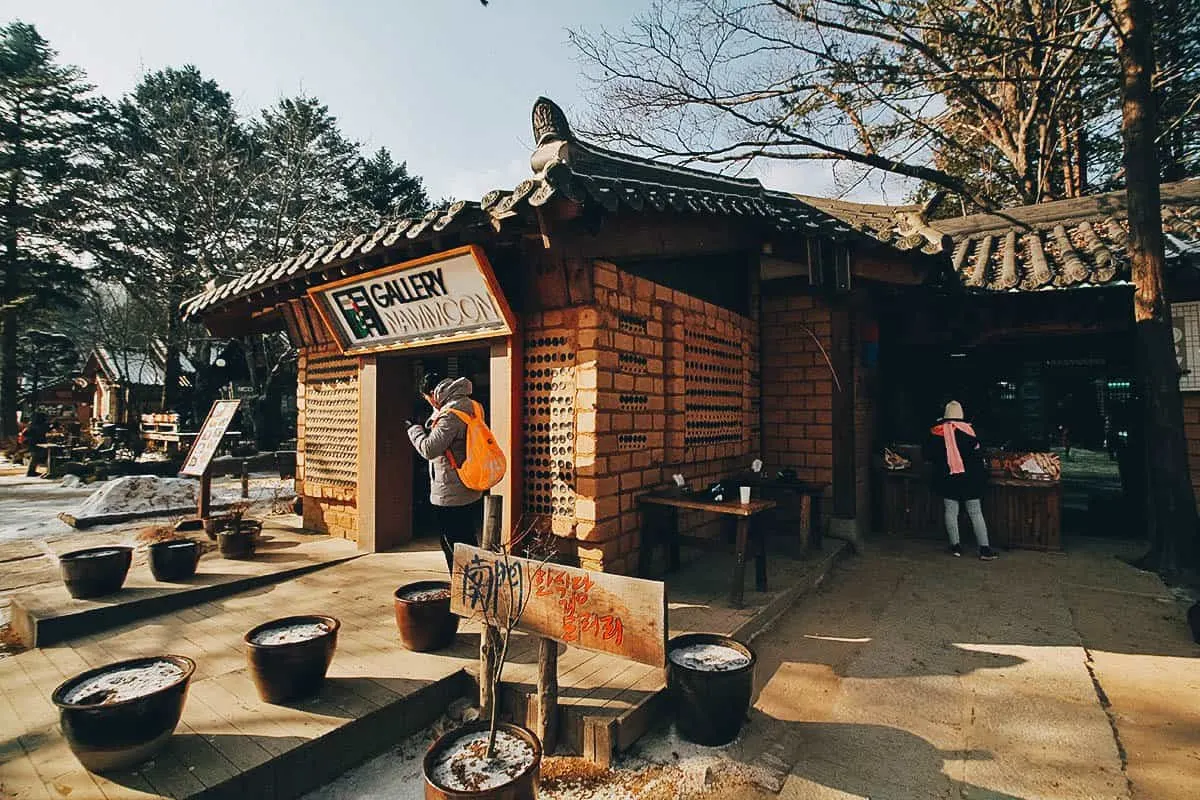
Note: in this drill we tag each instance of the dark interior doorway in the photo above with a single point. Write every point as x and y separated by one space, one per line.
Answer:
473 364
1027 387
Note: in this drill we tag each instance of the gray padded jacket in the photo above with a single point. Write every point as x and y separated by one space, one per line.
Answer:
445 431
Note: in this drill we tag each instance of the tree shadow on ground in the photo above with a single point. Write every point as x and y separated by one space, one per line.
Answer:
816 759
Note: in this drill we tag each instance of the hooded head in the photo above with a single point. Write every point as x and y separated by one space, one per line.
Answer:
954 411
451 389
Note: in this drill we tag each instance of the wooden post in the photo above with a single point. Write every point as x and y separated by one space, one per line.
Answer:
204 498
489 643
547 695
245 479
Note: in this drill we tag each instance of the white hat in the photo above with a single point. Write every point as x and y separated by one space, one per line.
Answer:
953 410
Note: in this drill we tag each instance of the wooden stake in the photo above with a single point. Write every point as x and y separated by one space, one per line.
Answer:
245 479
489 643
547 695
204 499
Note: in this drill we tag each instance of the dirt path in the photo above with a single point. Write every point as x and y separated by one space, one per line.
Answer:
910 674
913 675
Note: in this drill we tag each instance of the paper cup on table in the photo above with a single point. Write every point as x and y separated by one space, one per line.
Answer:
744 491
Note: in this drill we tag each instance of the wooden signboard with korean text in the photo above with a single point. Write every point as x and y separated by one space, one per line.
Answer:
439 299
209 439
626 617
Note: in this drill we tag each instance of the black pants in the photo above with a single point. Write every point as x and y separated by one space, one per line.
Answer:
458 524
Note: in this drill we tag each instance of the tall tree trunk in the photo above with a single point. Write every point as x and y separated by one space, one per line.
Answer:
171 370
8 372
8 297
1171 518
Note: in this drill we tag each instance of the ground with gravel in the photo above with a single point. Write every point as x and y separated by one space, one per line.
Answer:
910 674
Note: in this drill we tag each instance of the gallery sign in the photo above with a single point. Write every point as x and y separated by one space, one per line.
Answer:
443 298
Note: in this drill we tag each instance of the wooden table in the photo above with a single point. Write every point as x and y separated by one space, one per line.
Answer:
742 512
810 494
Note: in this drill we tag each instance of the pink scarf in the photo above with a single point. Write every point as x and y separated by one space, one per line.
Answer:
953 457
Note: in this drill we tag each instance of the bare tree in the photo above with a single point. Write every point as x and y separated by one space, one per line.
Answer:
912 87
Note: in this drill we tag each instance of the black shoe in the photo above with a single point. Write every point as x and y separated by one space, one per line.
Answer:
987 554
956 550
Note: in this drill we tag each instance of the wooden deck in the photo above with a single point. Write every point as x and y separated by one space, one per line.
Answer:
229 744
45 614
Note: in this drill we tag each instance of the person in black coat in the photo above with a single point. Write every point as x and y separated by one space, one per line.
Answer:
959 475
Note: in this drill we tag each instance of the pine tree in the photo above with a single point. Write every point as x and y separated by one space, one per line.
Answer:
304 166
178 195
48 117
384 189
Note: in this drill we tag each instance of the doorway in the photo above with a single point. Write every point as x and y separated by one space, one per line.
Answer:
473 364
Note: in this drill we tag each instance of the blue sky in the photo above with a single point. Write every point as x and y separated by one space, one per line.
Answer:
446 85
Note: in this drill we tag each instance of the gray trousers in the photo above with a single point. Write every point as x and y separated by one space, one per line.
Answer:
974 512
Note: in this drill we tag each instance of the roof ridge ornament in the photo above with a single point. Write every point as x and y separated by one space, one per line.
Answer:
550 123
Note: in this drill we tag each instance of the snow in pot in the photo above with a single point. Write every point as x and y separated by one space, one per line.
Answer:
95 554
290 634
709 657
124 684
464 767
425 595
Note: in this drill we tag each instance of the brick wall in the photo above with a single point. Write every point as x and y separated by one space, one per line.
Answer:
327 441
797 386
647 382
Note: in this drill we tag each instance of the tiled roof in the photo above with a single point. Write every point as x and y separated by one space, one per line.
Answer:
903 227
139 368
1058 245
1064 244
562 166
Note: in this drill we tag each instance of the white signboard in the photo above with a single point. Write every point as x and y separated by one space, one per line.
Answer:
210 436
447 297
1185 324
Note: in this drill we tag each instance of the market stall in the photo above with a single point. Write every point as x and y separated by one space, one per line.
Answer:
1022 503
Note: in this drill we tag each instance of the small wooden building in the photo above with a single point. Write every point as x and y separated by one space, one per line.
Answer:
639 320
127 383
624 320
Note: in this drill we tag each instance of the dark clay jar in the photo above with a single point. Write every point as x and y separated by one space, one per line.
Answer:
294 670
423 616
95 571
108 736
233 544
174 561
710 705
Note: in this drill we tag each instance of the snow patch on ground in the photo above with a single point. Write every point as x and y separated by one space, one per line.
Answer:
29 507
124 684
662 766
139 493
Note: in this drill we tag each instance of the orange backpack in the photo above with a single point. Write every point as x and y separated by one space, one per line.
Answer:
485 464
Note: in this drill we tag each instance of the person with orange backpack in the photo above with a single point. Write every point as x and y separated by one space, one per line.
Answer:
464 459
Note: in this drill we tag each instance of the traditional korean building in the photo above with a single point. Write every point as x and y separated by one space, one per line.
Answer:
625 320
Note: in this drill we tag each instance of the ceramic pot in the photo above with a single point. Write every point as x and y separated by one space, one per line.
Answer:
251 527
523 786
174 560
293 670
425 623
233 544
710 705
95 571
124 733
